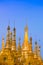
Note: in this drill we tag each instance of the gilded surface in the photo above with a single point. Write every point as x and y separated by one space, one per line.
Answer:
11 54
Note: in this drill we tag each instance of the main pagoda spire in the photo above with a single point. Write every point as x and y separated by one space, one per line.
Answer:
25 45
26 34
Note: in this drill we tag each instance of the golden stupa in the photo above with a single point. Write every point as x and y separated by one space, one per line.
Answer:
11 54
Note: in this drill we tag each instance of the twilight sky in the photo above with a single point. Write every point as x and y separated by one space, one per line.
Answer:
23 12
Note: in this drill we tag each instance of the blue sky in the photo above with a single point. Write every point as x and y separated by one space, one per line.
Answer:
22 12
